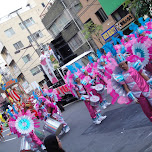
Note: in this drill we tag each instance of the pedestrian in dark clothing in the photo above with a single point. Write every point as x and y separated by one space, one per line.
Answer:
53 144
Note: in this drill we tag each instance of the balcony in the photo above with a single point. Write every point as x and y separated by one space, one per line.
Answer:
2 48
9 59
17 72
46 9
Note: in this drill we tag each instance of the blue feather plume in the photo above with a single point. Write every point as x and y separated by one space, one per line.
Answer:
35 96
90 59
78 65
120 33
122 50
71 68
99 54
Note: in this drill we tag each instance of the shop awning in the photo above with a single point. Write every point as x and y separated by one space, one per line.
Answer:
110 6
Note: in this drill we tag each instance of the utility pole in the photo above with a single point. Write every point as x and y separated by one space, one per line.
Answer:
62 1
37 44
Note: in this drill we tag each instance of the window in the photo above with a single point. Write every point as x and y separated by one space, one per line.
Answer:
59 24
18 45
26 58
9 32
101 15
15 67
36 35
29 22
35 70
43 4
119 13
75 42
91 24
77 7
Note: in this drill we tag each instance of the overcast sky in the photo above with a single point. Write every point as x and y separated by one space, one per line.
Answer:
8 6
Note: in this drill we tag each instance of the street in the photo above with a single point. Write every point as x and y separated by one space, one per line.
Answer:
126 129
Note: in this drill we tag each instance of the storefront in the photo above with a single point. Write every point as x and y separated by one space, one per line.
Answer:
124 23
108 34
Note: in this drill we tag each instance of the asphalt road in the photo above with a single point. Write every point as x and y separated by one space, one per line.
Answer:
126 129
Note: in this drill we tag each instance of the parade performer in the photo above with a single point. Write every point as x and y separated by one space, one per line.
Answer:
54 97
135 83
24 124
74 81
1 131
140 43
105 67
97 81
54 112
14 94
88 79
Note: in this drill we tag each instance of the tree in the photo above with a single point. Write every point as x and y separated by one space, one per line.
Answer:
142 7
93 30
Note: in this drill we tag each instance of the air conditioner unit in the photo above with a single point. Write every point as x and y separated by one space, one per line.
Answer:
37 35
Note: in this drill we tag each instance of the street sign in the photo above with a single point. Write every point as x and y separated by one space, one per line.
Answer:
109 33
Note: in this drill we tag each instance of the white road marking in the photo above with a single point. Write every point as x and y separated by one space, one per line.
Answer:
6 130
148 135
70 103
10 139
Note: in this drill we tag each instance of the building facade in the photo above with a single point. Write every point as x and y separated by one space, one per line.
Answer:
21 53
62 22
108 13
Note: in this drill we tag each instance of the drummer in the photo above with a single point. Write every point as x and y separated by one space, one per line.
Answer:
97 80
55 113
80 90
106 73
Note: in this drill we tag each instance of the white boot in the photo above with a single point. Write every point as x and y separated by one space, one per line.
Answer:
107 103
66 129
100 117
104 106
61 133
96 121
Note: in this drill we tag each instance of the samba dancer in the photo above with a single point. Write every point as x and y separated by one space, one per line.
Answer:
105 67
136 84
23 124
54 112
74 81
53 97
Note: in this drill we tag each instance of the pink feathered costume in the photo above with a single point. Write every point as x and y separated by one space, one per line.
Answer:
140 90
90 108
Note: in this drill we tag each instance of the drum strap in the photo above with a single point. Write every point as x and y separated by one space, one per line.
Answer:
83 88
94 79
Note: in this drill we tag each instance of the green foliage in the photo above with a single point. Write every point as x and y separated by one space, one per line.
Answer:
56 66
142 7
91 29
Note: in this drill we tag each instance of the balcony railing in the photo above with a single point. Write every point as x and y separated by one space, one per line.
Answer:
1 47
9 59
17 72
46 9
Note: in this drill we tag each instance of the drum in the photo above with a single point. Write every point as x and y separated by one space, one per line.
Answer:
25 146
86 96
94 101
53 126
40 134
99 88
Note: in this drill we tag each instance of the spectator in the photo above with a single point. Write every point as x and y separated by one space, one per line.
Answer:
53 144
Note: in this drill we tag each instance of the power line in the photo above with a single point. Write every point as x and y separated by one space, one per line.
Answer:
21 56
30 64
88 6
